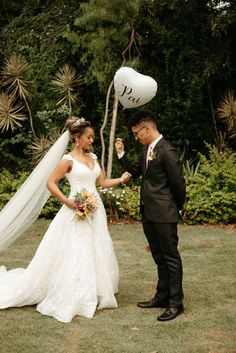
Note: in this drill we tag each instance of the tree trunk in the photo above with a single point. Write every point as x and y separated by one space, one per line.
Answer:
30 118
112 137
103 127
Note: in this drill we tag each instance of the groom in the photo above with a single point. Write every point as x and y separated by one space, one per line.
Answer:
162 197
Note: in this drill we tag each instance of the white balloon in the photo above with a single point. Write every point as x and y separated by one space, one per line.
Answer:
132 88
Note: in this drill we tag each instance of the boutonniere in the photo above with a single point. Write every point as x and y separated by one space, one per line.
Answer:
152 155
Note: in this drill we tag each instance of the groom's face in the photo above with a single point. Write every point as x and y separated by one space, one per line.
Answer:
140 133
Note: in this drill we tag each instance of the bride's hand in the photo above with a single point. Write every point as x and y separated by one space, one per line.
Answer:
125 177
71 204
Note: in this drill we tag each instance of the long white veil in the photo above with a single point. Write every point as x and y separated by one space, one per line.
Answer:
25 206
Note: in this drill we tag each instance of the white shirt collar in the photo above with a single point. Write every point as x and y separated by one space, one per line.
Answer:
153 144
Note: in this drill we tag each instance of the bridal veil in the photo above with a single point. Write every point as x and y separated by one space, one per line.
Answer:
25 206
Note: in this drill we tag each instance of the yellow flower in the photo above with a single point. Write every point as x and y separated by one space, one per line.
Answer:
86 204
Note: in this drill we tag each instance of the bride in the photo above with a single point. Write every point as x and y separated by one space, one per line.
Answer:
74 270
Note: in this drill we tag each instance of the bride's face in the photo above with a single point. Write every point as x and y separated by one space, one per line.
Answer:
85 141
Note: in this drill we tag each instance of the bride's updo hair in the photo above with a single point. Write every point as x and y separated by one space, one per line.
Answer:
76 126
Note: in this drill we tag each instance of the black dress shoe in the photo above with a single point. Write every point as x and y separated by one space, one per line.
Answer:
153 303
170 313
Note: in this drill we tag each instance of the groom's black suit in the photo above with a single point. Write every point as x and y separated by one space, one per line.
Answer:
162 196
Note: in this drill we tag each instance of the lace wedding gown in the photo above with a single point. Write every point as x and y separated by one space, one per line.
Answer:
74 271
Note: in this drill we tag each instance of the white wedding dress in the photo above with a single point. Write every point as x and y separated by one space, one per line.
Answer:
74 271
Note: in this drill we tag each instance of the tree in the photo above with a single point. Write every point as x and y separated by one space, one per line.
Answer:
35 32
188 47
192 69
37 35
104 49
15 80
66 82
9 10
223 79
10 113
226 112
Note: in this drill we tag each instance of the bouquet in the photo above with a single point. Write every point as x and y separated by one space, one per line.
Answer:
86 204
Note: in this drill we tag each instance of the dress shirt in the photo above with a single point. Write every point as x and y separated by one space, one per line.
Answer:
151 148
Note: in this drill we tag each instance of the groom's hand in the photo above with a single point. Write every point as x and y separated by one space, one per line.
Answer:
125 177
119 145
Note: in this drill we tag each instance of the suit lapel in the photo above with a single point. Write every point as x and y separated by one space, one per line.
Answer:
155 150
144 159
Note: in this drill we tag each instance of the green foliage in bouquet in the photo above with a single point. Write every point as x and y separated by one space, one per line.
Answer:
211 192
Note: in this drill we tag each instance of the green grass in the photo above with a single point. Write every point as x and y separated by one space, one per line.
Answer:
207 326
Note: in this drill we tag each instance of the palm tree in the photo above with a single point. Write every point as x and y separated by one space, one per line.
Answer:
65 84
14 74
226 112
10 116
40 146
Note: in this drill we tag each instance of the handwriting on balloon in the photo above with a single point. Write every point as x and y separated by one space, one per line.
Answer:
128 90
132 88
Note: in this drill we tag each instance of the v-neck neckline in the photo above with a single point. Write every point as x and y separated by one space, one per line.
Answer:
85 165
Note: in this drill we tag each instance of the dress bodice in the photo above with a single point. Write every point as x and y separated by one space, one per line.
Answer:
81 176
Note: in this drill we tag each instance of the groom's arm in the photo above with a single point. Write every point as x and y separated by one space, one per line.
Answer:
133 169
175 175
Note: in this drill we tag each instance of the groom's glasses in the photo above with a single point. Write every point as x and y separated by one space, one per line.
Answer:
135 133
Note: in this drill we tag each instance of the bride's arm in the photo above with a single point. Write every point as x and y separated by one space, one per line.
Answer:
108 183
63 167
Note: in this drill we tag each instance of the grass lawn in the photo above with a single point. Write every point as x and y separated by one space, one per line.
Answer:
207 326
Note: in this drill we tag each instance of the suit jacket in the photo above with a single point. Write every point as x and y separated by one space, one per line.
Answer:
163 187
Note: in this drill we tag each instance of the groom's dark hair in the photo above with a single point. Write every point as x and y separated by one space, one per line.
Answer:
142 116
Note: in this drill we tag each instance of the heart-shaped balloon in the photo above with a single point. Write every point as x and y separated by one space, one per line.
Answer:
132 88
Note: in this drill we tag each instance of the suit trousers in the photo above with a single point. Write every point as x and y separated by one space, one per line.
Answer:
163 242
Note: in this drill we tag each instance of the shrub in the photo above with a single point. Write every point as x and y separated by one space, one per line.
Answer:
9 184
121 203
211 192
53 205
